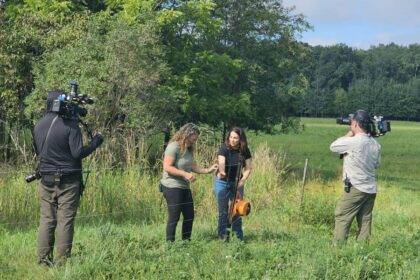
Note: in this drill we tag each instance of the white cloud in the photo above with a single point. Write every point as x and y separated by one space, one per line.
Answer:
315 41
405 12
321 10
360 23
401 13
403 39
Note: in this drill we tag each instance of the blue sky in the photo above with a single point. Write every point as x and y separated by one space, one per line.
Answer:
360 23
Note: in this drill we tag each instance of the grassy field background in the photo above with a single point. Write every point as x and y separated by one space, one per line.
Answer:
121 223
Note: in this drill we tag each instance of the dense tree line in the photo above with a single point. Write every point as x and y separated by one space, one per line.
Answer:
163 63
384 79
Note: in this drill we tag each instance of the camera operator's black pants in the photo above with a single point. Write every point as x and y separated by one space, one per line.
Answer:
179 201
58 205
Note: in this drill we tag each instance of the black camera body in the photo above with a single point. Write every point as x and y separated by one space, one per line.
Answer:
68 105
33 176
379 125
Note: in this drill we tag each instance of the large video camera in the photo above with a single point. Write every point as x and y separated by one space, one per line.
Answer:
379 125
68 104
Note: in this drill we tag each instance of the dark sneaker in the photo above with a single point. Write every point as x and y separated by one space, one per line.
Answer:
224 237
45 262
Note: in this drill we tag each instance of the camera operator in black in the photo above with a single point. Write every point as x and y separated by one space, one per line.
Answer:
58 143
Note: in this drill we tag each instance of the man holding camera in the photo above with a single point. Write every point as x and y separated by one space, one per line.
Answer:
361 157
58 143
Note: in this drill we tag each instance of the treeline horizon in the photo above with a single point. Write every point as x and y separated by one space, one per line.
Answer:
153 65
384 79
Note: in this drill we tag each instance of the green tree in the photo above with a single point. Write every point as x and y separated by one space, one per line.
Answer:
256 38
117 63
340 102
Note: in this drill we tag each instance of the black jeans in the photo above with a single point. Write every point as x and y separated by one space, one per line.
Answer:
179 201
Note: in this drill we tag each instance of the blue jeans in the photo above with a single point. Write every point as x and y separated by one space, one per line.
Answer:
224 194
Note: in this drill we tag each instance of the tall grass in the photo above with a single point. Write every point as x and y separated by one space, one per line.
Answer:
131 193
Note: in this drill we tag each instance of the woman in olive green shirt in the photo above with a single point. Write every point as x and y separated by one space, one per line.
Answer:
178 168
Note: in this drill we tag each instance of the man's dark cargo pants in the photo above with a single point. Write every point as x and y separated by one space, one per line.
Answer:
58 205
355 204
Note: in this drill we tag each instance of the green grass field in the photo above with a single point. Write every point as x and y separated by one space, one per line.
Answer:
121 223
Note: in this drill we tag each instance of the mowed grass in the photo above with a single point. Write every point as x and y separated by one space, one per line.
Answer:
121 224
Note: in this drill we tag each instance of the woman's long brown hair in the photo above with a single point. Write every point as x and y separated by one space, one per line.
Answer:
243 143
183 135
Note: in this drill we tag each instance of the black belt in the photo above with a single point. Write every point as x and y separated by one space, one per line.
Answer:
62 172
64 176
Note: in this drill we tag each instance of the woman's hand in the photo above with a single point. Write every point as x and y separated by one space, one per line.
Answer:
221 175
189 177
212 168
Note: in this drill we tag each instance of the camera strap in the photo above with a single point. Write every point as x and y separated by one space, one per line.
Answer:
46 137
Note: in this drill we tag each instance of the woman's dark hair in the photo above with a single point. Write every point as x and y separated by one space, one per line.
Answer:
363 119
243 143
